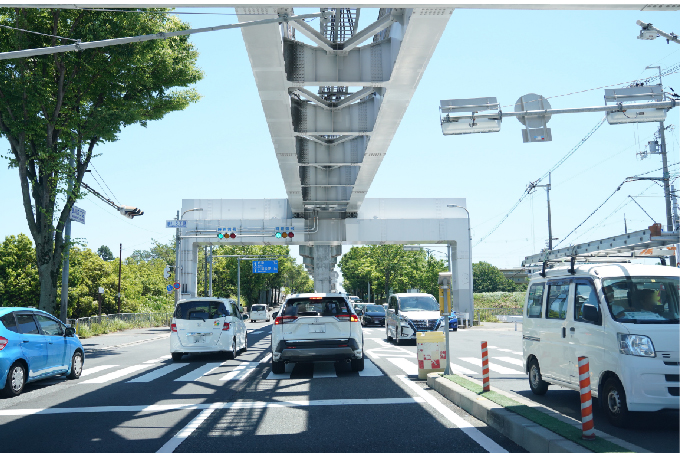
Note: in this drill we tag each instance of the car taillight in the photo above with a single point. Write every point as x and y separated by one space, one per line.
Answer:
353 318
281 319
173 327
348 317
3 343
225 326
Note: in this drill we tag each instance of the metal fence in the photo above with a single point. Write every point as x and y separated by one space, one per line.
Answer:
135 319
496 314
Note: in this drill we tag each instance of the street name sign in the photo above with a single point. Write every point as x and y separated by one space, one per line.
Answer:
175 224
77 215
266 267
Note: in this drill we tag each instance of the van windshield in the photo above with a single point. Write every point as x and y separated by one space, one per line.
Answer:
421 303
642 300
201 309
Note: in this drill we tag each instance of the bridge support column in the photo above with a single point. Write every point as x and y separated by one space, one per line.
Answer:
323 265
460 267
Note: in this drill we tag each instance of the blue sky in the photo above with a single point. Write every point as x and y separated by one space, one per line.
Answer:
220 147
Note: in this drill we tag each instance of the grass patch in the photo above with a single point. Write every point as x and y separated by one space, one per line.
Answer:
565 430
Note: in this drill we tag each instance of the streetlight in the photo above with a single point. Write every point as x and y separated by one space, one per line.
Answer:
177 240
469 253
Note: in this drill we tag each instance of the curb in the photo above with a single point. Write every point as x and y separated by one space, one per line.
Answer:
525 433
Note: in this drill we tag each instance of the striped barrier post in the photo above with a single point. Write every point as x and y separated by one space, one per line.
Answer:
485 367
587 424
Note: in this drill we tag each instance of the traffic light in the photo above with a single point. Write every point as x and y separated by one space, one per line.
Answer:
166 272
283 234
226 235
130 211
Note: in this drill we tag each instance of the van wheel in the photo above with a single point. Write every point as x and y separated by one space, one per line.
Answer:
16 379
387 333
536 382
245 344
177 356
614 402
76 366
358 364
278 367
232 354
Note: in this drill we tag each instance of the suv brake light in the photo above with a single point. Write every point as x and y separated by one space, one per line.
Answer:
348 317
173 327
225 326
281 319
3 343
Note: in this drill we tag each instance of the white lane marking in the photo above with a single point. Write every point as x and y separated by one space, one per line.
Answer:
492 366
255 332
199 372
286 375
96 369
324 370
408 366
160 359
178 438
492 347
510 351
266 358
370 369
229 405
240 372
512 360
462 370
465 426
116 374
155 374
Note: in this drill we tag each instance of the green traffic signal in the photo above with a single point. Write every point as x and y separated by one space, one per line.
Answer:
220 235
277 235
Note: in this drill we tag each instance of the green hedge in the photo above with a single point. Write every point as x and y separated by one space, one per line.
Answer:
499 300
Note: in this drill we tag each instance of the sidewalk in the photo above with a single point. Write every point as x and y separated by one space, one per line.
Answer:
124 338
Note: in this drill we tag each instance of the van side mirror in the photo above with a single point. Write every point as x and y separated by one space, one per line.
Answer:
590 313
69 332
244 316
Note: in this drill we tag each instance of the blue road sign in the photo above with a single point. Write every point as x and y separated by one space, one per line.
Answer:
169 288
266 267
175 224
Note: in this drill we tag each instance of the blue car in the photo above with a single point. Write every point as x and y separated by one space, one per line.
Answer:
453 321
35 345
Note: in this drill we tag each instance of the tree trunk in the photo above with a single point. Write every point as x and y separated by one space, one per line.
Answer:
48 271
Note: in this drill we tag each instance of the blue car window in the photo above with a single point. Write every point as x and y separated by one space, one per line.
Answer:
9 322
27 325
49 326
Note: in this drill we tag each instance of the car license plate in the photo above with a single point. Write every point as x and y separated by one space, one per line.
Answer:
199 339
317 328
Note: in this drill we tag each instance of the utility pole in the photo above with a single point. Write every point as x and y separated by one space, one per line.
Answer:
177 291
120 267
547 190
205 271
63 315
211 273
677 222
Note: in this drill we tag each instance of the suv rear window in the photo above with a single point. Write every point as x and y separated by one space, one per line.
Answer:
257 308
201 309
321 306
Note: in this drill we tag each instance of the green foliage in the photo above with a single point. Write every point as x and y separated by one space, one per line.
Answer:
18 273
488 279
105 253
389 267
499 300
52 104
105 325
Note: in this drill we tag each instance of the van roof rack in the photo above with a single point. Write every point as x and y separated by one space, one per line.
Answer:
638 244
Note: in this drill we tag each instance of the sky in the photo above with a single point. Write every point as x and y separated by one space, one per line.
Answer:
220 146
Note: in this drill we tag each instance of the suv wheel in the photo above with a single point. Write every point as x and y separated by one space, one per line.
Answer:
16 379
614 402
358 364
278 367
536 382
177 356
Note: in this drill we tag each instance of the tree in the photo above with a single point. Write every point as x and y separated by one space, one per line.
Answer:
105 253
53 107
488 279
18 272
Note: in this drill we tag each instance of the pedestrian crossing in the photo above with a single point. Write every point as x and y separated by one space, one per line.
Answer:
320 370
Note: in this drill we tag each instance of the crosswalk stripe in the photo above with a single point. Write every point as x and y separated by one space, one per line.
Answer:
408 366
160 359
461 370
240 372
116 374
510 351
286 375
198 372
96 369
492 366
148 377
266 358
512 360
324 370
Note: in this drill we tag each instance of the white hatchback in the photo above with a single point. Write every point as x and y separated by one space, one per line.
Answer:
259 312
207 324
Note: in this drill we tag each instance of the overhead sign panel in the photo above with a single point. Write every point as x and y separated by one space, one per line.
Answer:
77 215
266 267
175 224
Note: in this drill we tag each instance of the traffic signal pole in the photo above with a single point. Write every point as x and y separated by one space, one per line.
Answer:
666 185
177 291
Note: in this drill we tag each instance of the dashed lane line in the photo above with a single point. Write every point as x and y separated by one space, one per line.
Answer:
199 372
96 369
148 377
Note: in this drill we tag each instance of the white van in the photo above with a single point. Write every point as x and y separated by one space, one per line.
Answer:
623 317
259 312
410 313
207 324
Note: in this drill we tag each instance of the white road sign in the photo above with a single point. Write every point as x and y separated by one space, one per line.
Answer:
175 224
78 215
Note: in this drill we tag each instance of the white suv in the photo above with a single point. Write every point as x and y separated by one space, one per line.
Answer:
207 324
317 327
259 312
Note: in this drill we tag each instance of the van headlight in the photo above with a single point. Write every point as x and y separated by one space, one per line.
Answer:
639 345
403 321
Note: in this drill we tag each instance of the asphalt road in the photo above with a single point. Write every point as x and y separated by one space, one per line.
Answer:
133 398
656 431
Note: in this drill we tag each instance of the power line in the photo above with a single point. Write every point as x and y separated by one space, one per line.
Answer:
37 33
107 186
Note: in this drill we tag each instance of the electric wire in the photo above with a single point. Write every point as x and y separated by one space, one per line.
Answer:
38 33
107 186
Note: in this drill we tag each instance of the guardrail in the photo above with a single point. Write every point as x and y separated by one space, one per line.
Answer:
496 314
141 319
